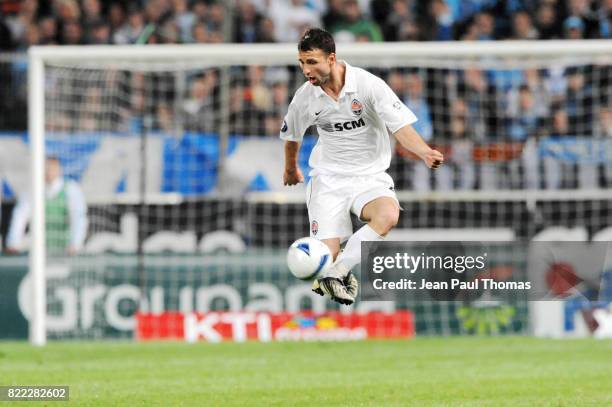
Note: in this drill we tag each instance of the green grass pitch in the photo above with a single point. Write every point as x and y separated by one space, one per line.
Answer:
512 371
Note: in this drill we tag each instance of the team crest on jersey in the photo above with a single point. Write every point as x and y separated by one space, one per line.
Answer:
284 128
314 227
356 107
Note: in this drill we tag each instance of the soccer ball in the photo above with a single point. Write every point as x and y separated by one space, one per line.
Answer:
308 257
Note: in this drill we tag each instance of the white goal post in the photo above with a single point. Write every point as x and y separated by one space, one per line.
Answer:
383 55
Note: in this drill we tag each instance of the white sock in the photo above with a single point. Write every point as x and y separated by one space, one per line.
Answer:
351 255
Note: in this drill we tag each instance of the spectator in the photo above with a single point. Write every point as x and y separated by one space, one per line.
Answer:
184 19
32 37
244 119
560 123
100 33
538 90
267 30
478 96
66 214
272 124
136 109
528 110
291 18
485 26
60 122
215 18
199 33
578 104
156 11
66 10
379 10
19 24
465 9
460 166
414 98
546 22
131 30
354 26
168 32
92 13
580 10
257 93
554 170
603 130
526 126
334 14
470 33
92 110
604 16
522 27
72 33
396 82
523 116
573 28
247 23
278 80
48 30
198 110
116 17
603 127
199 9
439 23
400 24
164 119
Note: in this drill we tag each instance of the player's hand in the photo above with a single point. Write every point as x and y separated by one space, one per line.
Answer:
433 159
293 176
71 250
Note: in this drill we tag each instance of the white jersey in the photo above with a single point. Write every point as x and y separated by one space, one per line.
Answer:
353 132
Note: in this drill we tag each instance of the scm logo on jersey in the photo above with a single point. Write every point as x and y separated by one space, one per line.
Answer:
354 124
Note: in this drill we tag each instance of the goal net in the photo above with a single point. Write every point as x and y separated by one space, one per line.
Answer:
176 152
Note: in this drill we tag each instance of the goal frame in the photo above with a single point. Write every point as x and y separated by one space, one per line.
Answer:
225 55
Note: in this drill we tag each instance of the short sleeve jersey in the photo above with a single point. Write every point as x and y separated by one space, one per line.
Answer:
353 131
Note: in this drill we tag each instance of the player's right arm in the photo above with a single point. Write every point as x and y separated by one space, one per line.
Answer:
293 175
295 124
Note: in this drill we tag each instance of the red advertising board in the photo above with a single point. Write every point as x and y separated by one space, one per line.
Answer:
263 326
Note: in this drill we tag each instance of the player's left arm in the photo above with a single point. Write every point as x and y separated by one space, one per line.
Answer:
408 137
398 119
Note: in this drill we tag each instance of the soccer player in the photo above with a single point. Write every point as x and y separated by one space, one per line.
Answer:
353 111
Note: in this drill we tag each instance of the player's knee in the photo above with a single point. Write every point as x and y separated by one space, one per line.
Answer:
335 252
386 221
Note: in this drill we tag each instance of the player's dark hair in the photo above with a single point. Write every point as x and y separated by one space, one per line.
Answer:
316 38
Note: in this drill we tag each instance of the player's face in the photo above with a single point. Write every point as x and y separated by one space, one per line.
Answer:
316 65
52 170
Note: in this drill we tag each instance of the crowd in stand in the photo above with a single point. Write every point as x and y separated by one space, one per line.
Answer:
27 22
462 107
